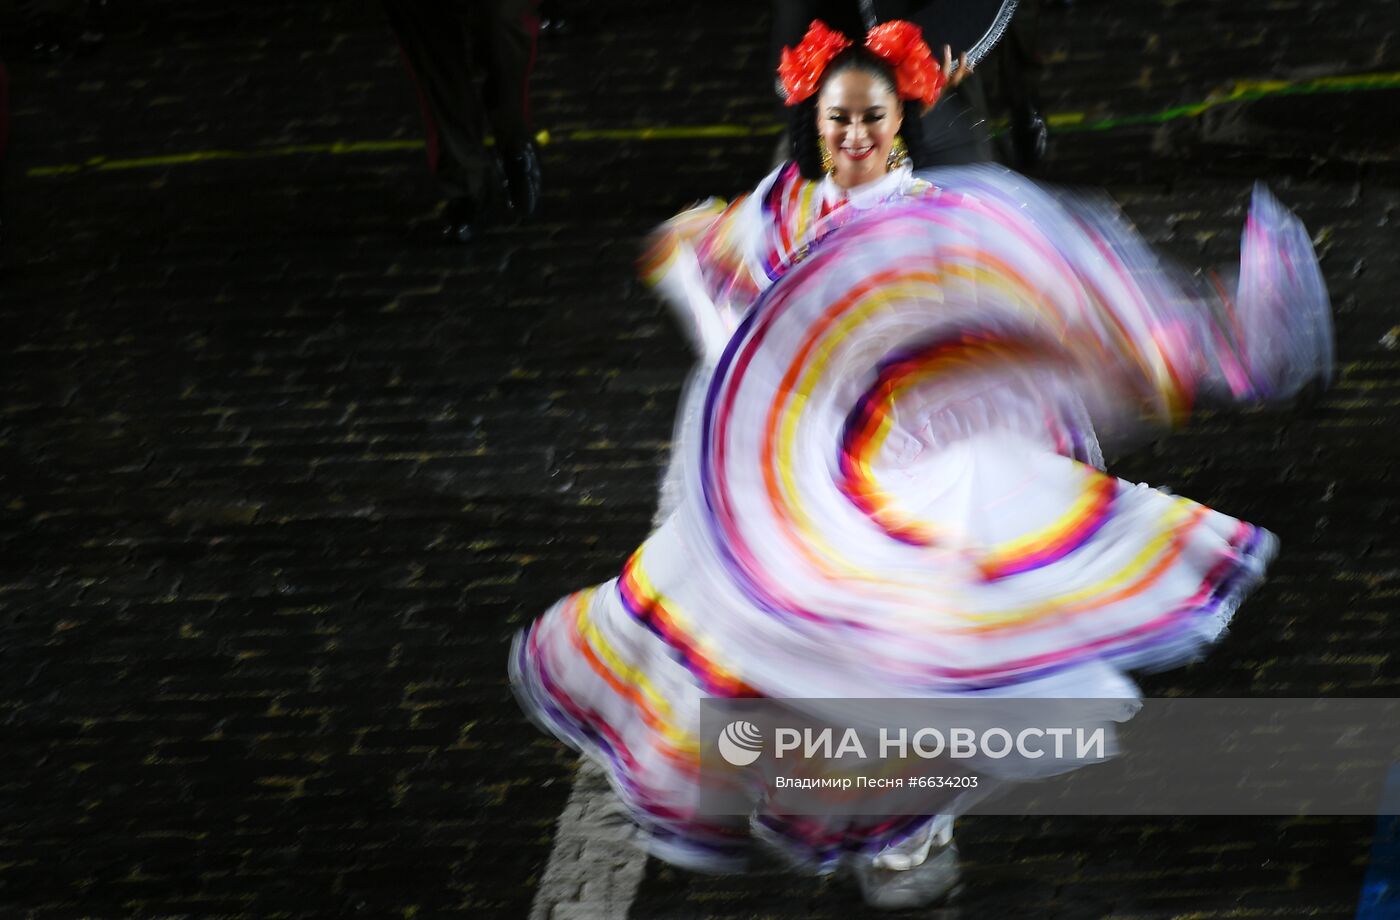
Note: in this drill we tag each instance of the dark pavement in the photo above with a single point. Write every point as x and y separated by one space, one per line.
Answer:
280 476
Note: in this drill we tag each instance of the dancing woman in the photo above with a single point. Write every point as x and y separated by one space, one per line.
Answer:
888 480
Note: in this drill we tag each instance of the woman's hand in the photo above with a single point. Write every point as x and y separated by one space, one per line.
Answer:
964 69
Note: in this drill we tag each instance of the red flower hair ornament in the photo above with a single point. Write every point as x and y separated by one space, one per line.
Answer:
801 68
898 43
901 44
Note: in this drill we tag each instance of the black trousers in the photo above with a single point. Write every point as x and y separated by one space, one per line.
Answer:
471 61
958 129
4 123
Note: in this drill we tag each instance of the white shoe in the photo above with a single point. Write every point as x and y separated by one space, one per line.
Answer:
901 889
914 873
912 852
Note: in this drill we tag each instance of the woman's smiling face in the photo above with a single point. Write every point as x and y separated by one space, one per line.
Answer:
858 116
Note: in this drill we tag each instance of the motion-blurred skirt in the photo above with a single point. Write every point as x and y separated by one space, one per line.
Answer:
891 485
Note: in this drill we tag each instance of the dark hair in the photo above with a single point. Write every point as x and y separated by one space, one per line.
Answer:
802 131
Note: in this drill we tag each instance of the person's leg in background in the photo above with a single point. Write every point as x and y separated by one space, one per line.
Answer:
505 32
432 36
4 137
1018 71
957 129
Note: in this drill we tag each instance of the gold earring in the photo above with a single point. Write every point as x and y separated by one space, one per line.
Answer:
828 164
899 154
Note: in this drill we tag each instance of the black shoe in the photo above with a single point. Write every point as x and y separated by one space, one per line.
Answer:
459 221
75 32
553 19
523 178
1030 136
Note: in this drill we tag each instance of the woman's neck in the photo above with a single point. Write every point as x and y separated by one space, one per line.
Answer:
850 186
